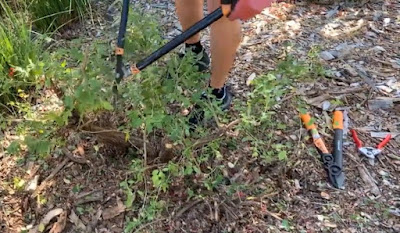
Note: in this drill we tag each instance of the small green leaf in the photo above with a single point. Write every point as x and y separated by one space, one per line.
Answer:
130 197
107 106
282 155
14 148
303 111
41 227
285 224
76 188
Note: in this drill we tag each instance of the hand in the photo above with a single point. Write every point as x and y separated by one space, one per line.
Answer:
244 9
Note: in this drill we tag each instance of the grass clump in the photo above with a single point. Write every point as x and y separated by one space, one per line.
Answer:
55 14
19 53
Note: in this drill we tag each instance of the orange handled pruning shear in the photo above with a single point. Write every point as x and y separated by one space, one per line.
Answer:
333 162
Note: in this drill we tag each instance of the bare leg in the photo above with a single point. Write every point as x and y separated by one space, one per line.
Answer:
190 12
225 40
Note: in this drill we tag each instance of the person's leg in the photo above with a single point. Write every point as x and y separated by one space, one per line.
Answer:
189 12
225 40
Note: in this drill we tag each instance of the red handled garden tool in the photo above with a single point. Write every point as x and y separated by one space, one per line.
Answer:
333 162
370 152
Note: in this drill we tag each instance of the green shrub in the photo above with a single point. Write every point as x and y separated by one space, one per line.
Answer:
55 14
19 53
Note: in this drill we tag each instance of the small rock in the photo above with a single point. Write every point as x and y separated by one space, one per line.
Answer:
32 185
326 105
355 84
395 211
378 49
387 183
338 74
344 49
292 26
350 70
231 165
386 22
331 13
371 34
248 56
327 56
325 195
383 173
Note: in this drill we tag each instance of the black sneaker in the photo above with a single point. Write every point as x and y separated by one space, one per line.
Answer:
224 97
202 59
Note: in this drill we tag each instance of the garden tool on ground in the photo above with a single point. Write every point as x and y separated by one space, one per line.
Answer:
370 152
333 162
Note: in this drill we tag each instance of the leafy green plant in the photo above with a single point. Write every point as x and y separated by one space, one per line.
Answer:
20 66
55 14
259 115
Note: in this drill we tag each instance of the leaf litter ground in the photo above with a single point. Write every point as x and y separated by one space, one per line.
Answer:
360 46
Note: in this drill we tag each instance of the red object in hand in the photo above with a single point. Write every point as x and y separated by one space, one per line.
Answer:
11 72
246 9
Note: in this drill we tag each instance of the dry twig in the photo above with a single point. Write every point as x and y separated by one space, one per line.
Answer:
52 174
221 131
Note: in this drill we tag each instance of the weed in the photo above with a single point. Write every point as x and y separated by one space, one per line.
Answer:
20 66
259 115
53 15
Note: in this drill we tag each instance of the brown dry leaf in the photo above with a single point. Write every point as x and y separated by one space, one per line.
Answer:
325 195
80 150
112 212
330 224
46 220
75 220
318 101
59 226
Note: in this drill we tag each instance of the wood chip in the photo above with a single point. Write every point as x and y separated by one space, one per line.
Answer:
89 197
325 195
384 134
368 180
376 104
77 221
46 220
114 211
59 226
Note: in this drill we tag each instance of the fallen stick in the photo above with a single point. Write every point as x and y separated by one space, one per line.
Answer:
221 131
186 208
149 224
368 180
52 174
252 203
75 158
